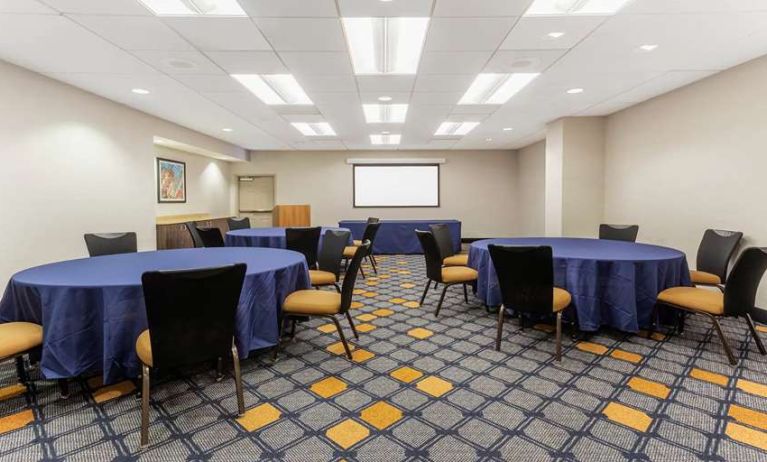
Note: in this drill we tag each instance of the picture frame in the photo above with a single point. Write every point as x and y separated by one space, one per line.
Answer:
171 181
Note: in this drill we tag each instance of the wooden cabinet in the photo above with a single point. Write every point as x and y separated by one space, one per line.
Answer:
285 216
172 232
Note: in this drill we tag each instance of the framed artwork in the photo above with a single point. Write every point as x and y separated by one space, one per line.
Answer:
171 181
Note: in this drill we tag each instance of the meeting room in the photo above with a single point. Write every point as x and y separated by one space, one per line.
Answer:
383 230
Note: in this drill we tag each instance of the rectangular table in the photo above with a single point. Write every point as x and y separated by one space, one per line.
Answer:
398 236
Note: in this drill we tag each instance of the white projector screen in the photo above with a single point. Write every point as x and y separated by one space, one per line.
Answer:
396 185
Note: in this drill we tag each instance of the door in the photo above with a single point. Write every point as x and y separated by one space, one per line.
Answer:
256 199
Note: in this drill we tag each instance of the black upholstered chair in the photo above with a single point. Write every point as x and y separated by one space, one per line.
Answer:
191 317
627 233
444 239
329 259
238 223
447 275
194 233
372 220
526 278
737 300
327 304
110 243
211 237
371 230
714 254
305 241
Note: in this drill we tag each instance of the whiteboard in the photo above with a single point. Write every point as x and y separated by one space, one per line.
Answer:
396 185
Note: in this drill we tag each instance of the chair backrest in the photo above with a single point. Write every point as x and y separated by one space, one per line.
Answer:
332 250
444 239
238 223
372 220
306 241
191 313
526 277
196 239
371 230
211 237
431 254
110 243
350 278
747 273
715 250
626 233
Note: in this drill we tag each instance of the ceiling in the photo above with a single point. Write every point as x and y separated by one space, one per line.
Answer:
109 47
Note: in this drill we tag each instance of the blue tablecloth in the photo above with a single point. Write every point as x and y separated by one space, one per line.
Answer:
92 310
612 283
266 237
398 236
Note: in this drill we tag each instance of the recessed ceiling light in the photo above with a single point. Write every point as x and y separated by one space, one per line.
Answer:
575 7
314 128
488 139
228 130
384 98
384 133
508 129
140 91
385 113
385 139
496 88
575 91
385 45
648 47
455 128
555 34
194 7
274 89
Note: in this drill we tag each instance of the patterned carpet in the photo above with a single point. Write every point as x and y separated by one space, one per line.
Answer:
422 388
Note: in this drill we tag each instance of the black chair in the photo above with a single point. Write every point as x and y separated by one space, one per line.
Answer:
305 241
738 298
110 243
211 237
325 303
238 223
191 317
714 254
627 233
329 259
444 239
447 275
372 220
193 232
371 230
526 278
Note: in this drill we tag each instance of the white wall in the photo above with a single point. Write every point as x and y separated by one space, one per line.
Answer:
477 187
73 163
531 190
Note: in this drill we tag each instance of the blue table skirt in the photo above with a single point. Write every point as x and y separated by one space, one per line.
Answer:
398 236
92 310
612 283
265 237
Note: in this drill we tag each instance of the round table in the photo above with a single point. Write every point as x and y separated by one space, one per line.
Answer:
92 310
612 283
267 237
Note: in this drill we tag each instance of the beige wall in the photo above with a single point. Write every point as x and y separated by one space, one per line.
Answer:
583 176
531 190
553 187
477 187
73 163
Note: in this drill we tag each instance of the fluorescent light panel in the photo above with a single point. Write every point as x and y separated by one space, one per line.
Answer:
385 113
275 89
385 139
496 88
455 128
385 45
314 128
575 7
194 7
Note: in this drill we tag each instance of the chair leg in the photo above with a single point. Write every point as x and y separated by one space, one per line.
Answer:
362 272
725 345
499 333
338 288
144 405
436 284
281 325
351 323
465 294
219 369
372 263
559 336
21 370
441 298
293 328
63 388
654 322
238 380
343 338
755 334
425 290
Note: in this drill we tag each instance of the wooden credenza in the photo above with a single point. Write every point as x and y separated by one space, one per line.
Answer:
172 233
286 216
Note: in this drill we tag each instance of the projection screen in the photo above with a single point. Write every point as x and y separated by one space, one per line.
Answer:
396 185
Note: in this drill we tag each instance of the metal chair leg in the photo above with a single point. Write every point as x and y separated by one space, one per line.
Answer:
436 284
351 323
755 334
465 294
63 388
144 405
238 380
499 333
441 298
276 349
338 288
219 369
293 328
21 370
725 345
343 338
373 264
559 336
425 290
362 272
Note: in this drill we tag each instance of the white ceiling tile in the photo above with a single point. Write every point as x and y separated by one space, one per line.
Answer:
396 98
113 7
288 8
385 84
467 34
475 109
377 8
510 61
248 62
246 105
179 62
211 83
321 99
531 33
425 98
24 7
318 63
444 83
303 34
693 6
456 62
479 8
134 32
661 84
216 34
327 83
